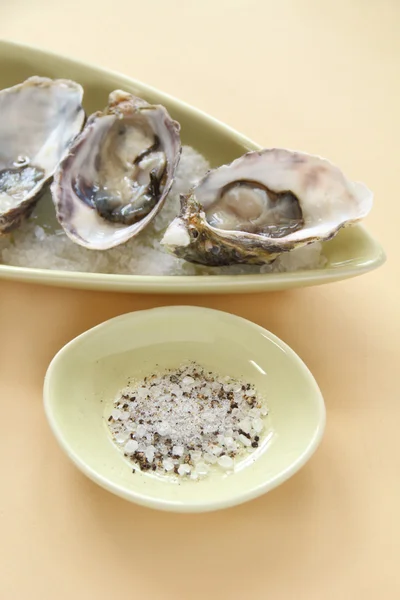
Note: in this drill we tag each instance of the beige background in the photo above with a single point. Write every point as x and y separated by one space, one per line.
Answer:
322 76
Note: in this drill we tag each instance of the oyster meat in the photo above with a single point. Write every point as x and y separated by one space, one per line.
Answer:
118 172
39 119
262 204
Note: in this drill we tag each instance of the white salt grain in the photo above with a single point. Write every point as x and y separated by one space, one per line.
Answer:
121 438
168 464
257 425
195 455
216 450
245 425
163 428
177 450
210 458
149 453
39 233
141 431
226 462
131 446
245 441
184 469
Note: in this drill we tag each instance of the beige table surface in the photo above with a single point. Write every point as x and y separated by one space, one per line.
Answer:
321 76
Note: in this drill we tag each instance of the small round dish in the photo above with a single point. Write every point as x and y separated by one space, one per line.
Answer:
84 377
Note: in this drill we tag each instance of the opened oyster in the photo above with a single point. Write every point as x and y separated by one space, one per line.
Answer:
262 204
118 172
39 118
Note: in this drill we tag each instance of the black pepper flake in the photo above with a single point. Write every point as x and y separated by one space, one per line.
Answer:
254 444
241 432
110 418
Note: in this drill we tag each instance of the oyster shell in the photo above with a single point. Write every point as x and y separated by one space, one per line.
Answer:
39 118
262 204
118 172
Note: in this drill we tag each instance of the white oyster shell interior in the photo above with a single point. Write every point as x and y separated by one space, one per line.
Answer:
326 198
39 119
105 158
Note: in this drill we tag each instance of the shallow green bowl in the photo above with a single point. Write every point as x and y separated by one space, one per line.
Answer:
84 377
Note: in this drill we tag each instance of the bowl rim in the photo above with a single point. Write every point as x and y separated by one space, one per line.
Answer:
179 506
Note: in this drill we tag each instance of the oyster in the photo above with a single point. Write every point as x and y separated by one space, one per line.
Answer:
262 204
118 172
39 118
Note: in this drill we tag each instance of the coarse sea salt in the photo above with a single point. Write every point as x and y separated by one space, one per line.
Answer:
174 427
131 446
40 242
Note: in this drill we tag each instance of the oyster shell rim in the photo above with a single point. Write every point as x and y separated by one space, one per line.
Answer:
18 213
113 110
264 248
